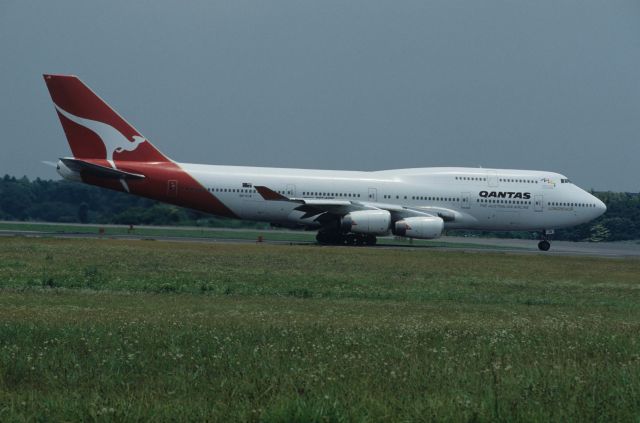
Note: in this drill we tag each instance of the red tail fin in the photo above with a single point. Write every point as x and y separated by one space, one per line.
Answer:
94 130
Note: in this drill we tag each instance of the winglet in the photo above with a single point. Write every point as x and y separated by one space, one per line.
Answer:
269 194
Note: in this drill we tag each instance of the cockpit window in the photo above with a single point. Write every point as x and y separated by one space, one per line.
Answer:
565 181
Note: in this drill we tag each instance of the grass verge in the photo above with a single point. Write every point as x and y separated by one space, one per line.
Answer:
131 330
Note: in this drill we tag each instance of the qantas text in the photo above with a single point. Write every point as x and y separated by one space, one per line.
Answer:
502 194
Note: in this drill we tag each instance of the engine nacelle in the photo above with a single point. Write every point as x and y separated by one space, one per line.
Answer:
372 222
427 227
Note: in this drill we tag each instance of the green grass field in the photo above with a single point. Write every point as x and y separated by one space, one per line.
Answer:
119 330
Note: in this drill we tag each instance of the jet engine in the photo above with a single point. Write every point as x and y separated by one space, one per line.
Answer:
426 227
372 222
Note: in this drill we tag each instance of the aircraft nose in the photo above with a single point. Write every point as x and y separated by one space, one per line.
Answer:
600 206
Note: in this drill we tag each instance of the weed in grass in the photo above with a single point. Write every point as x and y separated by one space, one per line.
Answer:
47 280
92 277
167 287
300 293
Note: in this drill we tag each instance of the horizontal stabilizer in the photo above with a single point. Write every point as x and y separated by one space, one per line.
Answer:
82 166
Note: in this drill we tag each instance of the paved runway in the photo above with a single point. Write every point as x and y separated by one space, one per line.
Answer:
597 249
467 244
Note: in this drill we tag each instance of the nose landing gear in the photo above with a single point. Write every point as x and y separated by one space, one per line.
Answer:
544 243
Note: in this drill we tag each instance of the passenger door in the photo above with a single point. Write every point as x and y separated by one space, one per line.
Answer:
537 203
466 201
290 191
373 194
492 178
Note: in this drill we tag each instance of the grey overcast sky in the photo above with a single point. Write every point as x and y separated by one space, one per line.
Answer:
357 84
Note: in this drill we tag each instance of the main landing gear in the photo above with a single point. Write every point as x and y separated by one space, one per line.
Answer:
337 238
544 243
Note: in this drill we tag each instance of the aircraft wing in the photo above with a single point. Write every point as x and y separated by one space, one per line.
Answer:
312 207
321 207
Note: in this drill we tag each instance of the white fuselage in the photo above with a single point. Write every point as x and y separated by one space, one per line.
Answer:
482 199
348 207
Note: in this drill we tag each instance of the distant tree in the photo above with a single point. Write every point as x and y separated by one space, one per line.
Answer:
623 228
83 212
15 199
599 233
130 216
53 211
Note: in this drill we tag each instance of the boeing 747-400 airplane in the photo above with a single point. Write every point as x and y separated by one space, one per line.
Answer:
346 207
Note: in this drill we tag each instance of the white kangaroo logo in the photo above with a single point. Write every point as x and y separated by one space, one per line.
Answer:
113 140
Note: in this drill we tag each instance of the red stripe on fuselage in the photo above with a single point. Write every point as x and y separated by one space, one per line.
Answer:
188 191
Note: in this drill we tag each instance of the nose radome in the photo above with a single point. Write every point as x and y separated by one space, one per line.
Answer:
602 206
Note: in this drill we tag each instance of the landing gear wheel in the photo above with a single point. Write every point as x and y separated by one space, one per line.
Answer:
544 245
330 238
327 237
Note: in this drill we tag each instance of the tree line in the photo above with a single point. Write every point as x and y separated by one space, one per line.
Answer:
70 202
